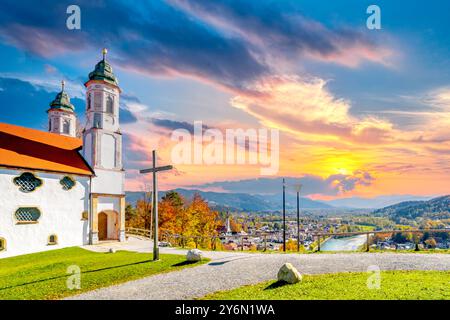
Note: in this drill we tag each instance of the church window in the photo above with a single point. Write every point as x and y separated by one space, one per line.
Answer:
27 215
66 126
109 105
2 244
27 182
97 120
52 239
89 102
49 124
98 101
67 183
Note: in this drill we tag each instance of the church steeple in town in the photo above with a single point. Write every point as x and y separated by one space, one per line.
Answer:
61 115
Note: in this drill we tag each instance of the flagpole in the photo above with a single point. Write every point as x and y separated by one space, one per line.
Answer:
284 216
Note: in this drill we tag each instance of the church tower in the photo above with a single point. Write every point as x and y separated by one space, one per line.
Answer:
61 115
102 145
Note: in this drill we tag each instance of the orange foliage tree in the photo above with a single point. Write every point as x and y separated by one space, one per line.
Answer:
187 224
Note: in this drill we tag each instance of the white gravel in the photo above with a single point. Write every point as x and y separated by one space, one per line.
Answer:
229 270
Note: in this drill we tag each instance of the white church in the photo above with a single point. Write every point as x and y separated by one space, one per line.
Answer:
57 190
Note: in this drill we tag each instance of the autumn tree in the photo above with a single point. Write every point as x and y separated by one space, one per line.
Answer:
431 243
143 216
130 213
203 221
235 225
172 218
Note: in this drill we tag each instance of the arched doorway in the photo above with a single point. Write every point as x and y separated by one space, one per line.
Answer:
108 225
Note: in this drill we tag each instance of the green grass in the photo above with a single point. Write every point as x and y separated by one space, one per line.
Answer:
395 285
44 275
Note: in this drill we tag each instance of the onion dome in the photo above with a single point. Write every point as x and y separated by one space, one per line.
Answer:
103 71
62 101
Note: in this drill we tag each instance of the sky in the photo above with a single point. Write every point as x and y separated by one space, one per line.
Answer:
360 112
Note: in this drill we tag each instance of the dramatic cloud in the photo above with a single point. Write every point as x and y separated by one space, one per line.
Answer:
174 125
168 43
228 43
281 29
270 58
332 185
306 106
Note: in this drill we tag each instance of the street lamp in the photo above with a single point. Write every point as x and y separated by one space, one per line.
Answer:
284 215
298 188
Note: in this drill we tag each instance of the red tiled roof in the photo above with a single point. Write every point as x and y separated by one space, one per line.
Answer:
37 150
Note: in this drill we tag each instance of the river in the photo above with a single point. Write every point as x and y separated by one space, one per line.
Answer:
344 244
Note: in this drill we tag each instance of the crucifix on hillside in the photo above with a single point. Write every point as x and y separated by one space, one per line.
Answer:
154 170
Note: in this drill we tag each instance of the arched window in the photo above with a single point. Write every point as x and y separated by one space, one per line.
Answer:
27 215
27 182
52 239
109 105
97 120
98 101
2 244
49 124
66 126
67 183
89 101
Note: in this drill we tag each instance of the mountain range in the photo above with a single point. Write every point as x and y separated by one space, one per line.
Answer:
436 208
240 201
273 202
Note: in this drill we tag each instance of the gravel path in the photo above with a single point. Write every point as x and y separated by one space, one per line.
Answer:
229 270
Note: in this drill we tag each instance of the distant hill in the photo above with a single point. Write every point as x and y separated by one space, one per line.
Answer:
437 208
375 202
240 201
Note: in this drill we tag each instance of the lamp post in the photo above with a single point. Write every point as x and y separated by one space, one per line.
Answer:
284 215
298 188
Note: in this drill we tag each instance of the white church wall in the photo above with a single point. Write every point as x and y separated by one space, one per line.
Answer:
87 148
101 92
108 153
108 203
61 213
108 182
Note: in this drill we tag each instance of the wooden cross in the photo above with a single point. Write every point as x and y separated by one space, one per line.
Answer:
154 170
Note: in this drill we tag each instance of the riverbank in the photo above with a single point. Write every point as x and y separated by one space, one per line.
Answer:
352 243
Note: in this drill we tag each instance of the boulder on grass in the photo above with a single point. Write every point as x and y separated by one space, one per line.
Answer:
194 255
289 274
112 250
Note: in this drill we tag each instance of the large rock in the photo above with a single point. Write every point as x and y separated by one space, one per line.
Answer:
289 274
194 255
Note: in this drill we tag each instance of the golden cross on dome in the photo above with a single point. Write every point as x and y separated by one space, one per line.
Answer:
62 85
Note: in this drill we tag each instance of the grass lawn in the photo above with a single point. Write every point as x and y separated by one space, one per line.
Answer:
395 285
44 275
